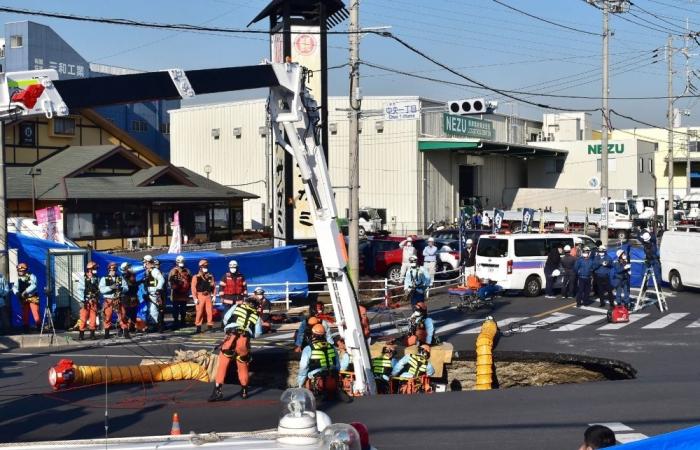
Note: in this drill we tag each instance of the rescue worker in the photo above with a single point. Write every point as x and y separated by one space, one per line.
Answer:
303 335
625 246
241 323
620 278
553 262
415 364
407 252
584 270
264 308
651 254
430 259
130 300
601 276
161 298
421 327
319 358
382 367
203 287
232 287
180 283
416 282
470 256
89 293
154 282
26 291
4 306
568 288
112 287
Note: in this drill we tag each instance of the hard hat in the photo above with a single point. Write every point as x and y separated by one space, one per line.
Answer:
646 237
22 266
259 290
619 253
147 259
412 259
469 241
313 321
424 349
421 306
232 264
318 330
180 259
124 266
409 239
91 265
567 248
112 266
601 248
203 263
431 239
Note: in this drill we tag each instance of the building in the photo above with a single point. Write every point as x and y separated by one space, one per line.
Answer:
28 46
419 165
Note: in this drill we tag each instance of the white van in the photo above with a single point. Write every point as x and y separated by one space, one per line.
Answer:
679 253
516 261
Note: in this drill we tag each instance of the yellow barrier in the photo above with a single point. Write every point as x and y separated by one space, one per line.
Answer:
484 355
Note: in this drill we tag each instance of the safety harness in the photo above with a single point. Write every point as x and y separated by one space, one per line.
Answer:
381 366
418 365
322 356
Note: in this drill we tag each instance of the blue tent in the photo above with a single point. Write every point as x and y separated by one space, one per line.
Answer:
262 267
685 439
637 257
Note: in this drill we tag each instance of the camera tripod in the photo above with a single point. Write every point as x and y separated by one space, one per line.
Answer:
642 300
47 323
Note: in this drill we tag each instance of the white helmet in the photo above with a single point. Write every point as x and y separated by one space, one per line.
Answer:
147 259
232 264
412 259
409 239
180 259
601 248
124 266
567 248
259 290
431 239
619 253
469 241
646 237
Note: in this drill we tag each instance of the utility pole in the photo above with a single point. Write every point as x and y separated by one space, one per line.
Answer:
604 139
354 145
669 58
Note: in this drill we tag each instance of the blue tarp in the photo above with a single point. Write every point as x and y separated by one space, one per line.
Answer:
262 267
637 257
686 439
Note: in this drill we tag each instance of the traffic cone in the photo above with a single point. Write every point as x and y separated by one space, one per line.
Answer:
175 428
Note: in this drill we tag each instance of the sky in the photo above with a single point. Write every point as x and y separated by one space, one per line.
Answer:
482 39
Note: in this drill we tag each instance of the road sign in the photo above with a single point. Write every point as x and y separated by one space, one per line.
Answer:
402 110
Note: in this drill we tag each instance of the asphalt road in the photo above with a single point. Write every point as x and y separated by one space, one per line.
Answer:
663 348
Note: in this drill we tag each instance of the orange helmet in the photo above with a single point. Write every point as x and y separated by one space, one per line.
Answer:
112 266
424 349
22 266
92 265
203 263
421 306
318 330
313 321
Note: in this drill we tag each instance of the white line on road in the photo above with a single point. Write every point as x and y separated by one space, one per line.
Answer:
501 324
614 426
617 326
665 321
454 325
554 318
594 309
695 324
580 323
630 437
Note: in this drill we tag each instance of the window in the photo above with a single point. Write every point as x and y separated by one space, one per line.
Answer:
641 165
651 165
16 41
165 128
79 225
556 242
200 222
108 224
554 165
220 218
134 223
530 247
64 126
237 218
492 248
139 126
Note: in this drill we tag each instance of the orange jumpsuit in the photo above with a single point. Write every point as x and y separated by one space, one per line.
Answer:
30 300
242 322
88 313
203 285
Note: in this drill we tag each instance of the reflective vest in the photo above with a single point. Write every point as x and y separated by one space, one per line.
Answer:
114 280
23 283
323 356
234 284
245 317
205 283
417 365
381 366
92 288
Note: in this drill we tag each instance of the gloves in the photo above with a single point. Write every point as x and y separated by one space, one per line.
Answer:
114 287
628 266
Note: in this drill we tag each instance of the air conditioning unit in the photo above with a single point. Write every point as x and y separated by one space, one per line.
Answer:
133 243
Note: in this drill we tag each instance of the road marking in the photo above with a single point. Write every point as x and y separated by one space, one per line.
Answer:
580 323
617 326
501 323
277 337
665 321
695 324
594 309
554 318
552 311
614 426
461 323
630 437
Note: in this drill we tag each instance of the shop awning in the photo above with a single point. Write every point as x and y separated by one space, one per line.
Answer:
483 147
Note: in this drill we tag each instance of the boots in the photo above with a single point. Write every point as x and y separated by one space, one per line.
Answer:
127 335
198 329
244 392
217 394
92 335
107 333
25 329
120 332
81 335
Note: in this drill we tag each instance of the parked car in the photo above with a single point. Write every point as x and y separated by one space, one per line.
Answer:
677 253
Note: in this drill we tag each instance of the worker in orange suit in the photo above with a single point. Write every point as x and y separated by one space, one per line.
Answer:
113 287
26 291
241 323
203 287
89 293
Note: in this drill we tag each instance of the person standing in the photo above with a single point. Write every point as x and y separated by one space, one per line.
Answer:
154 283
470 257
430 259
26 291
203 287
408 251
112 287
486 222
620 278
601 276
583 269
568 261
553 262
130 301
5 326
89 292
232 287
416 282
180 282
241 323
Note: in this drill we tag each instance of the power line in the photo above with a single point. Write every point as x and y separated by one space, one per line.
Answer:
674 6
541 19
612 111
657 16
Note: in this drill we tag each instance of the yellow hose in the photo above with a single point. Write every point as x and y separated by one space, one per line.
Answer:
484 355
89 375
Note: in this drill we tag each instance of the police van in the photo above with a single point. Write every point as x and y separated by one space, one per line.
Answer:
516 261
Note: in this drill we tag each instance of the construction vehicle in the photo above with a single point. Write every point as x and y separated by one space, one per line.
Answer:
295 117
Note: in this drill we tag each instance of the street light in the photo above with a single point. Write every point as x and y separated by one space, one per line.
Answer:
207 170
33 172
